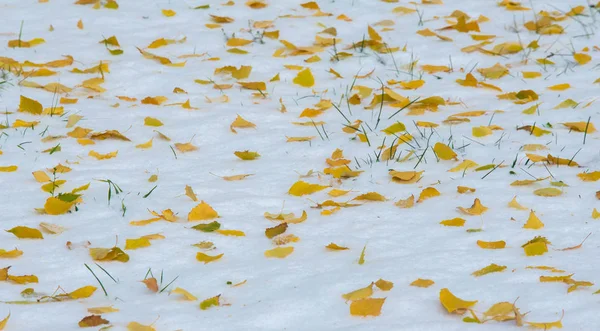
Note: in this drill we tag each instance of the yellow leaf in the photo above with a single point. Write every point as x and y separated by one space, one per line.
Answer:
214 301
384 285
304 78
23 232
422 282
79 132
147 144
239 122
373 34
595 214
109 134
569 103
4 254
406 203
301 188
236 177
547 192
4 322
279 252
25 44
236 233
489 269
465 189
55 206
367 307
361 293
531 74
150 121
546 325
491 244
476 209
99 156
337 192
41 177
185 147
481 131
582 58
406 177
137 243
102 310
549 279
559 87
234 42
581 126
501 311
453 222
247 155
207 258
31 106
444 152
514 204
335 247
201 212
135 326
186 295
454 304
109 254
427 193
394 128
168 12
83 292
190 193
361 259
260 86
23 279
494 72
533 222
536 246
463 166
371 196
9 168
24 124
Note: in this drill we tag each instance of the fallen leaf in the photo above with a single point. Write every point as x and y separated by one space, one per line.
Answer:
422 282
453 304
210 302
202 212
279 252
151 284
489 269
367 307
23 232
91 321
186 295
207 258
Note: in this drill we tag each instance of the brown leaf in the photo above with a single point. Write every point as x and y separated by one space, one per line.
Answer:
92 320
575 247
276 230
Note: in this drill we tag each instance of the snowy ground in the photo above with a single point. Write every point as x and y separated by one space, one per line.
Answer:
302 291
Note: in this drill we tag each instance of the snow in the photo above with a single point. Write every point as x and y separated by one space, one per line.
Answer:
302 291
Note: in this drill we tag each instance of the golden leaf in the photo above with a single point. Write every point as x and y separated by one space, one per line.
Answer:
367 307
489 269
422 282
453 304
279 252
23 232
207 258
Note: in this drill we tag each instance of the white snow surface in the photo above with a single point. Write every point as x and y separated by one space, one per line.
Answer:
302 291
